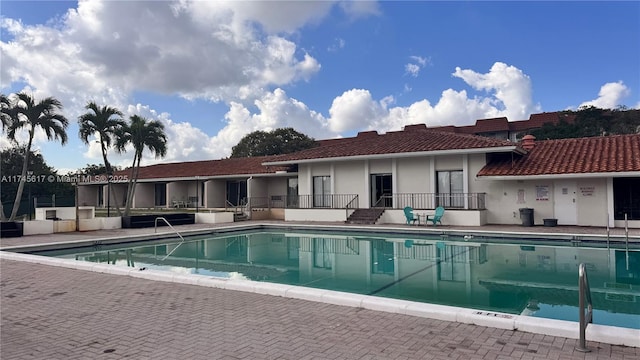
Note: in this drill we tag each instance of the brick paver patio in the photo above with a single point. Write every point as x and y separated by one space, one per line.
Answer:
59 313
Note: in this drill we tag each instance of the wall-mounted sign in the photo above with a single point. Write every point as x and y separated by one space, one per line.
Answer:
520 199
542 193
587 190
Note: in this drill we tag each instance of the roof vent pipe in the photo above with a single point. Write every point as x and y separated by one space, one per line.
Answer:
528 142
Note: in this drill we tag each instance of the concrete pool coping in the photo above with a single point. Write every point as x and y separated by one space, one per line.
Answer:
568 329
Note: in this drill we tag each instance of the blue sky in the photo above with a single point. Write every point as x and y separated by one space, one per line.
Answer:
213 72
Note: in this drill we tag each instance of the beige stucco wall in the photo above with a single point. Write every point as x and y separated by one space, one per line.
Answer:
145 195
380 166
215 192
277 185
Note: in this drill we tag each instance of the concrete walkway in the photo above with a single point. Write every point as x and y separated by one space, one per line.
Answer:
50 312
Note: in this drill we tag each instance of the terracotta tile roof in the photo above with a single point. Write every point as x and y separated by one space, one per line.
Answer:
414 138
618 153
207 168
491 125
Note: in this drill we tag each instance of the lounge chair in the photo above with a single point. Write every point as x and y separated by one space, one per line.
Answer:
436 218
411 219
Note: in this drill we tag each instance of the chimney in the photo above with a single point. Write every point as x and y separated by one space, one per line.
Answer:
528 142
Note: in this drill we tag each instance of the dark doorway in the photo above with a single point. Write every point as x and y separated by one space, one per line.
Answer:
381 190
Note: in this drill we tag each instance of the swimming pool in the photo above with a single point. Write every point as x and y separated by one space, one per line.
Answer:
534 278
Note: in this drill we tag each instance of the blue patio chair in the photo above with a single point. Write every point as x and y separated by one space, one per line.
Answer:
408 213
437 217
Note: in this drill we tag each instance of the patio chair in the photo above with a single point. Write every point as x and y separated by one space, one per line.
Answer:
408 213
436 218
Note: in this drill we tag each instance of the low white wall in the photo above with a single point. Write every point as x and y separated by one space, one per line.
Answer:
315 215
66 213
114 222
450 217
90 224
37 227
632 224
64 226
214 218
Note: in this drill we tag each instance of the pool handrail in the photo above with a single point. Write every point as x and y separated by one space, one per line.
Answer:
174 230
586 318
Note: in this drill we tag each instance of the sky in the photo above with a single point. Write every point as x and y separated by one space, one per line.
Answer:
213 71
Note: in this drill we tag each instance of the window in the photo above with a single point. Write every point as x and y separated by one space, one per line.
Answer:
237 192
450 189
626 198
322 191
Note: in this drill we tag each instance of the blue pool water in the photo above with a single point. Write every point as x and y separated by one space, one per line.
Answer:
517 277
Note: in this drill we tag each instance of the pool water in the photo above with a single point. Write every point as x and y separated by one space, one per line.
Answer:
522 278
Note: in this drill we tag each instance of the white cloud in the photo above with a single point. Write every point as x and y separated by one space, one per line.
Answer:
610 96
508 84
422 61
338 44
418 62
412 69
352 110
274 110
196 49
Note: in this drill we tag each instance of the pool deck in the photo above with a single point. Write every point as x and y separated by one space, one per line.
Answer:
52 312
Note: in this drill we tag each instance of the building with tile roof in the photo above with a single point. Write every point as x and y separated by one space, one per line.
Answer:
477 179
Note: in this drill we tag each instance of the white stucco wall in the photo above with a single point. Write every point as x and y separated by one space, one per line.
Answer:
350 179
412 175
591 200
315 215
448 162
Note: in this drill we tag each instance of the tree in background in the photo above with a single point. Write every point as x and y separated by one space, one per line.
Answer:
106 122
29 115
592 121
276 142
140 133
97 169
40 184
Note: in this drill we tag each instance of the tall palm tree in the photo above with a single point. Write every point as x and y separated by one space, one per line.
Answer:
6 118
5 111
106 122
141 133
30 115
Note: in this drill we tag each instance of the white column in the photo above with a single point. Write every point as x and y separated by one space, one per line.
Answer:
610 210
366 200
465 179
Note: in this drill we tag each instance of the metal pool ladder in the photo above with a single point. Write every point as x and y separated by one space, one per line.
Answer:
174 230
586 318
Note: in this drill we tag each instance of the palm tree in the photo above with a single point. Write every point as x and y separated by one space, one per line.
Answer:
141 133
6 118
106 121
30 115
5 111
